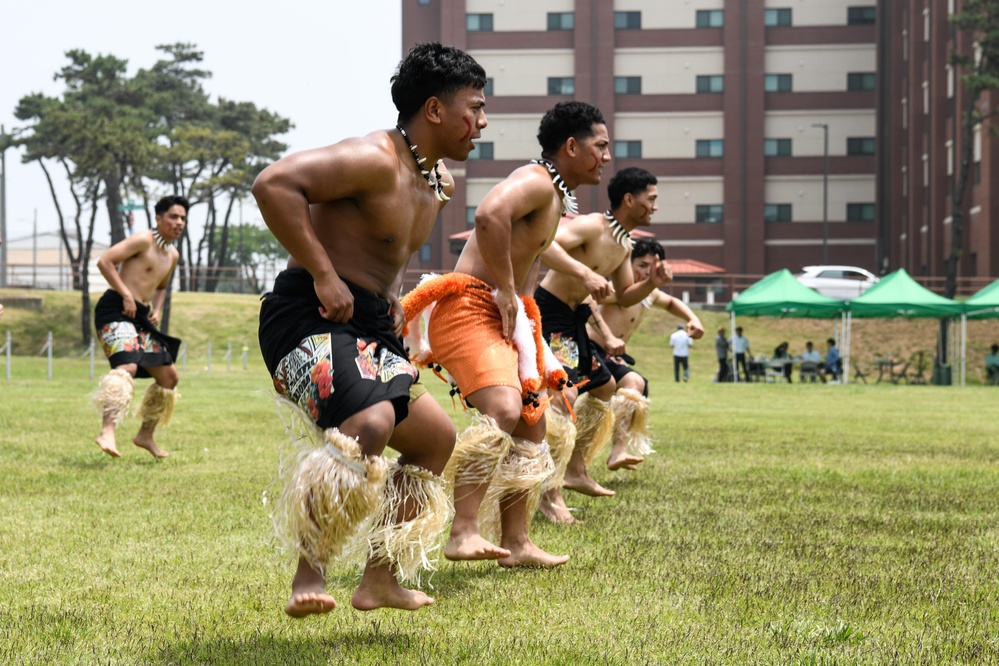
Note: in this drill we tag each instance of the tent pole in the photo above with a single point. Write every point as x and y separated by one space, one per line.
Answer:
735 368
964 348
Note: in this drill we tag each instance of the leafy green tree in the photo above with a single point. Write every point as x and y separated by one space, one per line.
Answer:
976 64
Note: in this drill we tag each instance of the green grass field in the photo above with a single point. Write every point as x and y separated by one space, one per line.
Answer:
776 524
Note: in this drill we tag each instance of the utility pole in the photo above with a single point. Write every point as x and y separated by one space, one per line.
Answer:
3 207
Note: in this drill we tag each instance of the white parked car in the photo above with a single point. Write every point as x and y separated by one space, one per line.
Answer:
843 282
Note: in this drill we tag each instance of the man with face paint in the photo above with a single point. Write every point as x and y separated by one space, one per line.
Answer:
587 250
478 331
351 215
630 403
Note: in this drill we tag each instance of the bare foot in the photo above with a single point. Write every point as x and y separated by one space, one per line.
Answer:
529 555
147 443
369 596
472 547
105 440
304 603
552 506
618 460
586 485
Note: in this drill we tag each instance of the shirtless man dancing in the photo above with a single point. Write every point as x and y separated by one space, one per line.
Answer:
630 403
500 462
587 250
126 318
351 215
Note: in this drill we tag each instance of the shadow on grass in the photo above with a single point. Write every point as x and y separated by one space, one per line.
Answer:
349 646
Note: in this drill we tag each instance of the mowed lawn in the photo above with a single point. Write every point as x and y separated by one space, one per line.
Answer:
776 524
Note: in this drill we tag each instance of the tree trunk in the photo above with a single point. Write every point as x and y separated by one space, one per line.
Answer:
112 184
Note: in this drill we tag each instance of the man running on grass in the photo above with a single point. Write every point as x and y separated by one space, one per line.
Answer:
351 215
126 318
630 403
501 461
587 250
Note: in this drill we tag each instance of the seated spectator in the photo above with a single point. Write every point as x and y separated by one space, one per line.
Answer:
810 361
833 365
782 356
992 365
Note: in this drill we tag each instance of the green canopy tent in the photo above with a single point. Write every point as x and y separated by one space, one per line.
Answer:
898 295
781 295
983 304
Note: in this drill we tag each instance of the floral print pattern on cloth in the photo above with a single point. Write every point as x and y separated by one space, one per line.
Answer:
306 374
381 363
122 336
565 350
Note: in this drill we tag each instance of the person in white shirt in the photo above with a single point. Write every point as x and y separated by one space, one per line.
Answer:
680 341
740 347
813 358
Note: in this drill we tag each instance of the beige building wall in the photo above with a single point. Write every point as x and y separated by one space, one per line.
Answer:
679 196
658 14
524 71
804 193
477 188
669 71
668 135
819 68
817 12
518 15
514 136
806 141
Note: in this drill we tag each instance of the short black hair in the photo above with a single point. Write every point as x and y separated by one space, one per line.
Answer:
995 348
633 180
432 69
169 201
646 246
565 120
831 341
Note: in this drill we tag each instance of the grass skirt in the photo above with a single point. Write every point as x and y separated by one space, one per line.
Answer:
522 472
477 453
328 492
410 545
561 438
594 426
631 421
157 405
114 394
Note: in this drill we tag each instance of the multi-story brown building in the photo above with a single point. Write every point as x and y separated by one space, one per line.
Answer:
920 143
728 102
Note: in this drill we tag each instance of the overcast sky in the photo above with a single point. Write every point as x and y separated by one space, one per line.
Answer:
325 65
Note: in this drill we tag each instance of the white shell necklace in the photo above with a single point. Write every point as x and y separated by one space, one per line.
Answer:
569 205
620 234
438 186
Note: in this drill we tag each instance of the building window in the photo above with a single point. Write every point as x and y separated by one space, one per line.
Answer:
628 150
561 21
483 151
776 212
470 215
423 2
710 18
488 90
860 145
710 148
426 253
860 81
860 212
627 20
777 82
777 147
708 214
861 15
561 85
714 83
627 85
479 22
776 17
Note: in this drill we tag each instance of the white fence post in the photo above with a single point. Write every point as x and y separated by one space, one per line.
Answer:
246 354
183 357
48 347
6 348
91 352
208 368
228 357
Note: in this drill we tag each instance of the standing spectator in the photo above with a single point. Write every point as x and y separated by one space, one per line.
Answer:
721 351
740 347
680 342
